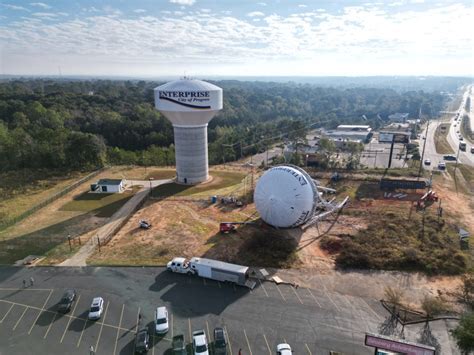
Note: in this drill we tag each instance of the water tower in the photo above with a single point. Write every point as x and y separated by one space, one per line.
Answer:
189 104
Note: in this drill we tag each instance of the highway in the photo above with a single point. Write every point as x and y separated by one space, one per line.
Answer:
453 138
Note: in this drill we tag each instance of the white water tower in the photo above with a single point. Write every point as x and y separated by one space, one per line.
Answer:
189 104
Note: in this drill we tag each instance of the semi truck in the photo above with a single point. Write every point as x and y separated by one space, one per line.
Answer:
212 269
462 146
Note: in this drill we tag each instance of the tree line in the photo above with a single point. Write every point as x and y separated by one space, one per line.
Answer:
83 124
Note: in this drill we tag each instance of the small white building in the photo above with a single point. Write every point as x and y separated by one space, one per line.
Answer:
108 186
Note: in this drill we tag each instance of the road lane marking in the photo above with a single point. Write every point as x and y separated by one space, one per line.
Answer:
69 320
261 284
248 343
315 299
307 348
6 314
268 346
281 294
101 326
118 330
39 314
19 319
84 327
50 324
296 294
228 339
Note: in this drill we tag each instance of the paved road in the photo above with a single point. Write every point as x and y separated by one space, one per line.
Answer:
453 137
115 221
313 321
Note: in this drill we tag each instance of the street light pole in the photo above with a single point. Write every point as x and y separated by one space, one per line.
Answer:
424 145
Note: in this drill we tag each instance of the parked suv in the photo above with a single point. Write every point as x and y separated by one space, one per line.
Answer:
200 343
97 307
220 342
68 298
161 320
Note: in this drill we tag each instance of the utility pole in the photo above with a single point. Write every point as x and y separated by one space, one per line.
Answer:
423 152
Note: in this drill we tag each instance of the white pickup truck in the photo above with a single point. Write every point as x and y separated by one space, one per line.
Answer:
212 269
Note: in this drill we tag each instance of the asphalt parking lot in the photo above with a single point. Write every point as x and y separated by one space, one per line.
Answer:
313 321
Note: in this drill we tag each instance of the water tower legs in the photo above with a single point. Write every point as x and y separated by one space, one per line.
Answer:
190 144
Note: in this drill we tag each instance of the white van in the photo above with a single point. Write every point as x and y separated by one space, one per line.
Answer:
161 320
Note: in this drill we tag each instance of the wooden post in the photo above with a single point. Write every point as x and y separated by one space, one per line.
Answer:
98 242
69 240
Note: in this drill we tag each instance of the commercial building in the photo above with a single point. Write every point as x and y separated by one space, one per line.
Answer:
398 117
349 133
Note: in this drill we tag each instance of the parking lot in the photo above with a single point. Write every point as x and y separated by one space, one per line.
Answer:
312 321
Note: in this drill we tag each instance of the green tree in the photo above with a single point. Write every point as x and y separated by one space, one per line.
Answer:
464 333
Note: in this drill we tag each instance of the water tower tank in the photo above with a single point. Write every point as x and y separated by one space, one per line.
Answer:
285 196
189 104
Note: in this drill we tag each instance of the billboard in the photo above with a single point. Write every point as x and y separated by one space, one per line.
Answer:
385 137
399 346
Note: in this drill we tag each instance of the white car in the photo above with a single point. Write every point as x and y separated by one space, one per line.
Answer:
284 349
427 162
200 343
442 166
161 320
97 307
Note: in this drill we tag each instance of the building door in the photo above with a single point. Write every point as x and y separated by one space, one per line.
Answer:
104 188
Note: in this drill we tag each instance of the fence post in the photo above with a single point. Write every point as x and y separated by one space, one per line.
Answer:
69 240
98 242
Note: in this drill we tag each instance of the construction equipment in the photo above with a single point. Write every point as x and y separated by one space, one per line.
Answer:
227 227
427 199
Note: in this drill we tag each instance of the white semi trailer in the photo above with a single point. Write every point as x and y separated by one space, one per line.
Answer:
212 269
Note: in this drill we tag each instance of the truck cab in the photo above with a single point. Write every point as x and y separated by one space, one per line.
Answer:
179 265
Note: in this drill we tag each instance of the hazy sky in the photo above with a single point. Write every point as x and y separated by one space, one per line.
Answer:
237 37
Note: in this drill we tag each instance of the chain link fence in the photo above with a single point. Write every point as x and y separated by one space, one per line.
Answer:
11 221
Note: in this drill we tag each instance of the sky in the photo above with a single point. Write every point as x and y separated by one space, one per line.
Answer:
153 38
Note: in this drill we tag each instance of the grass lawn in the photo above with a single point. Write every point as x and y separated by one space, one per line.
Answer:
441 143
103 205
223 182
21 190
132 172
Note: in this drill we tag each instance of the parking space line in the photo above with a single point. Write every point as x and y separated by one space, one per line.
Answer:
24 289
281 294
172 330
118 330
69 320
19 319
332 301
190 334
39 314
371 309
268 346
50 324
136 328
6 314
248 343
228 339
82 332
209 336
315 299
153 339
101 326
296 294
307 348
261 284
